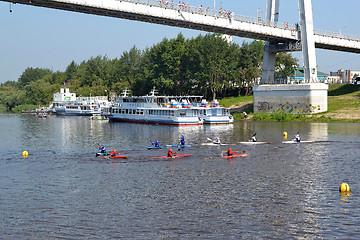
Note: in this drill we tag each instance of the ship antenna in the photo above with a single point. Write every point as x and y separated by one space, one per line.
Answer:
153 91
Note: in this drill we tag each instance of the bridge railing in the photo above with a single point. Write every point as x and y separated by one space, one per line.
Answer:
337 35
227 14
203 10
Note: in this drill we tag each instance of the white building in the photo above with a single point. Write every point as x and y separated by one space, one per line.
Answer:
346 76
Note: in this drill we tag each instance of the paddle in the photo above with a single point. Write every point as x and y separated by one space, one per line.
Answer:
226 151
214 141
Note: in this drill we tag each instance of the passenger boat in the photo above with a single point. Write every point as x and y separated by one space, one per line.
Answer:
153 109
170 110
60 99
66 103
85 106
214 114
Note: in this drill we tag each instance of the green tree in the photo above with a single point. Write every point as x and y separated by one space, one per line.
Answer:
284 65
32 75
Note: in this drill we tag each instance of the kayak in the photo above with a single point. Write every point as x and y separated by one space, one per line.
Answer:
216 144
178 146
115 156
254 143
236 155
98 154
212 144
298 142
107 155
153 147
176 156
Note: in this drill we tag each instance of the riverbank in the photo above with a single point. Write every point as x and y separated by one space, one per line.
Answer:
343 106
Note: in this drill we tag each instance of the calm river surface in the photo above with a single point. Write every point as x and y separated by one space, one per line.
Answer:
280 191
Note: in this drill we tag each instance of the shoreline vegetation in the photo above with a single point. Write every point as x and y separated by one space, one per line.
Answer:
343 107
205 65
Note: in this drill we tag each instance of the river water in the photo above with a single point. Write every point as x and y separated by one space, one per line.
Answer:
280 191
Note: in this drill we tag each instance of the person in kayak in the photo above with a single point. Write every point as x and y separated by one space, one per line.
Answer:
253 138
113 153
231 152
217 141
297 137
156 143
171 153
182 140
102 149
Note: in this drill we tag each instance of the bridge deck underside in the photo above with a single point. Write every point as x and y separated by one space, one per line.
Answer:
173 22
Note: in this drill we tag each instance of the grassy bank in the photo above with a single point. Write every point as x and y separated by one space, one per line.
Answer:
343 106
24 107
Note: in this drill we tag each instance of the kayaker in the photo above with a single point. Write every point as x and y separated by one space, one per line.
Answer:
171 153
231 152
182 140
156 143
217 141
113 153
297 137
102 149
253 138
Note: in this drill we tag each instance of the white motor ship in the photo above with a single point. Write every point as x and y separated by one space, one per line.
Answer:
170 110
85 106
66 103
214 113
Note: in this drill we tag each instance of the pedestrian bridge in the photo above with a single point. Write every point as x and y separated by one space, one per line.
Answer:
173 13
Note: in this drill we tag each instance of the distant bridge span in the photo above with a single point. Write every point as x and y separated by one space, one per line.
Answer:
173 14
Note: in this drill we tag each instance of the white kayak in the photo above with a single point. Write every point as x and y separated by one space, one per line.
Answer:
298 142
216 144
253 143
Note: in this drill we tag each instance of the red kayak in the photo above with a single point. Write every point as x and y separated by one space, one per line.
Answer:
236 155
176 156
115 156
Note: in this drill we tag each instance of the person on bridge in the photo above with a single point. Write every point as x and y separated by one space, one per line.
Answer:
231 152
171 153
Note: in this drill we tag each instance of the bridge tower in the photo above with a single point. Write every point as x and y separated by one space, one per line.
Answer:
307 41
272 14
309 97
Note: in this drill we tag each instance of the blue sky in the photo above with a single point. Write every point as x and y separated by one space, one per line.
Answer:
48 38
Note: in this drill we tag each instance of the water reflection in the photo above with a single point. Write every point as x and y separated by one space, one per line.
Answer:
279 191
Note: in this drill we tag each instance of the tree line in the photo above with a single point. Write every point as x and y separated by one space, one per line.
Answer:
206 65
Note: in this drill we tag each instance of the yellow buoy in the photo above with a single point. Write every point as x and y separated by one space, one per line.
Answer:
285 134
25 154
344 187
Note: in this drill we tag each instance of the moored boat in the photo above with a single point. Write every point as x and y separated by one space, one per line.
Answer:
153 109
85 106
170 110
214 113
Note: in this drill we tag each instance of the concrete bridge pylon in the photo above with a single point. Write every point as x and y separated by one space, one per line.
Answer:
272 14
309 97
